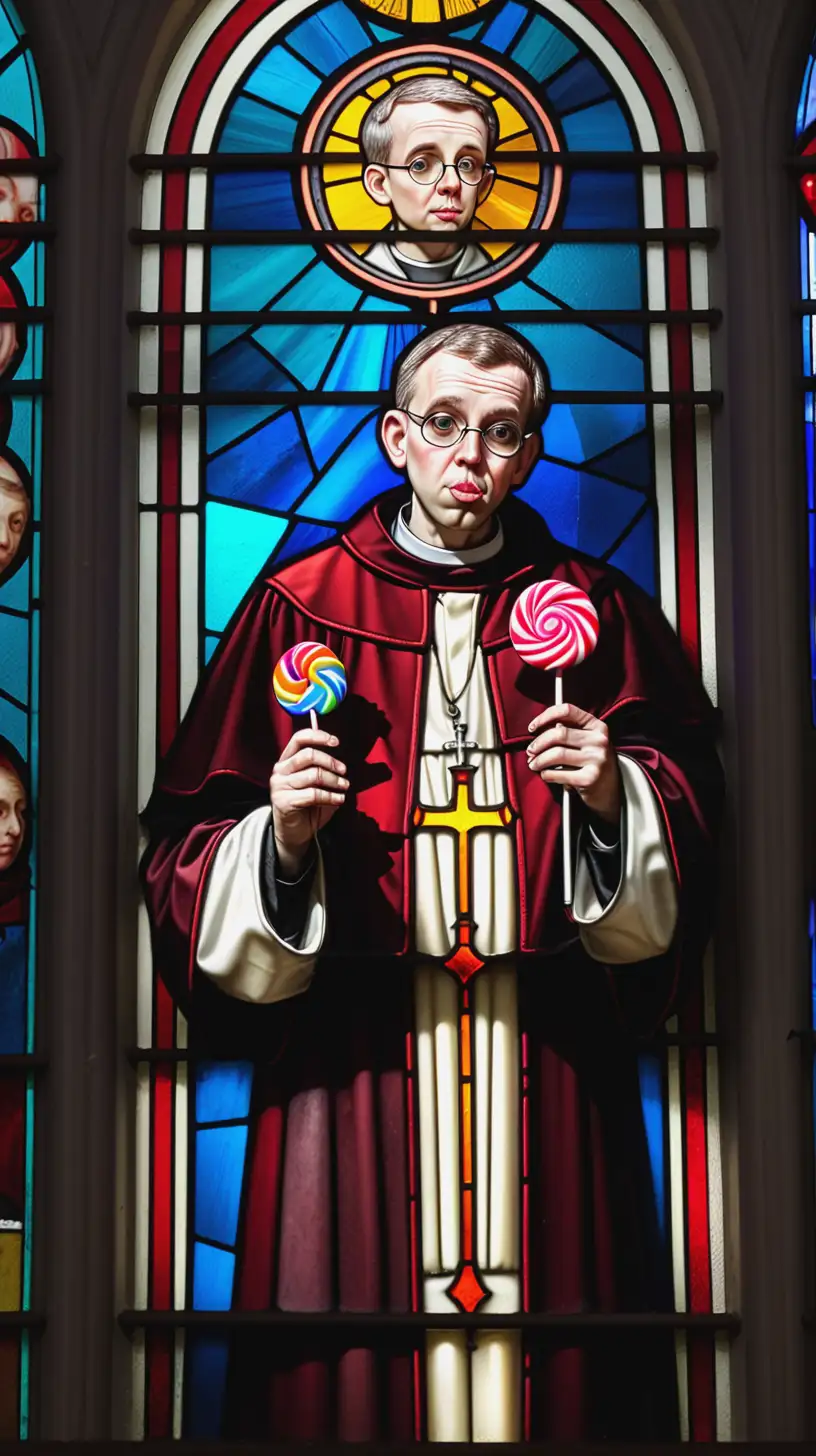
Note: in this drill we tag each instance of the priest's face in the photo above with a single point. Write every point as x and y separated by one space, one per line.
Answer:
457 487
12 816
427 137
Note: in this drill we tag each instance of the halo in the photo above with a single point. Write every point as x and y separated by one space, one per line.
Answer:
525 195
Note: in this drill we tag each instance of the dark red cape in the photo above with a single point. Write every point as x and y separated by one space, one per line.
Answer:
338 1084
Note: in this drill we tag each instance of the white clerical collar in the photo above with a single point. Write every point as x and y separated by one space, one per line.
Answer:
442 555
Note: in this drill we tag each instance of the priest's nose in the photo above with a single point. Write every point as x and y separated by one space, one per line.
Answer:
469 449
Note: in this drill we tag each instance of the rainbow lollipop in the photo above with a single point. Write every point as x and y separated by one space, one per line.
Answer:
309 679
554 625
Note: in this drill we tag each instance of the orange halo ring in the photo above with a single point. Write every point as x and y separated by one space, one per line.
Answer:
434 290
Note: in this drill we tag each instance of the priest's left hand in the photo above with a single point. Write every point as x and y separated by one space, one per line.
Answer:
572 748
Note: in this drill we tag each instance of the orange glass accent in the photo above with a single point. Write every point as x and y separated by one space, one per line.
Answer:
464 963
467 1291
467 1223
465 1045
467 1135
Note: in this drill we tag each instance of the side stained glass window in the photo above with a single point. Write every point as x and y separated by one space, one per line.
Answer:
22 351
805 146
271 319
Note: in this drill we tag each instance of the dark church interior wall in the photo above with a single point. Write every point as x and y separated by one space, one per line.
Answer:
100 63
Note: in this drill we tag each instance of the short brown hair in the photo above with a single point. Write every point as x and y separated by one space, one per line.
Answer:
481 345
376 135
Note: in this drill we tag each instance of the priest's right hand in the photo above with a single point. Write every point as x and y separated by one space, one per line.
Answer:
306 788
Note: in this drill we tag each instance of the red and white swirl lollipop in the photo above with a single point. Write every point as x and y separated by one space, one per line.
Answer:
553 626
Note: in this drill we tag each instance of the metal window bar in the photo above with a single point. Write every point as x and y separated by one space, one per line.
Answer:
712 317
705 236
256 162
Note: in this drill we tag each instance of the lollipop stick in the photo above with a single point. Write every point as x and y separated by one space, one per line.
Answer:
313 718
566 824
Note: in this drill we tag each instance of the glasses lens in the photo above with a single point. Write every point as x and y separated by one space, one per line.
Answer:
470 170
503 438
442 429
426 170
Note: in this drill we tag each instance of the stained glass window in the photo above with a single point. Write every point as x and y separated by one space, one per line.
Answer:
22 310
271 320
805 145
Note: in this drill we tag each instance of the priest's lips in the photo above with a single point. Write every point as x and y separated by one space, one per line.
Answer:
465 491
447 214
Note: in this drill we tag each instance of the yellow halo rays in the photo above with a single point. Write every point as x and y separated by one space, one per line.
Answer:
424 12
511 203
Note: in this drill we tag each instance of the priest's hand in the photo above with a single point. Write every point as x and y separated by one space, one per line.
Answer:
306 788
572 748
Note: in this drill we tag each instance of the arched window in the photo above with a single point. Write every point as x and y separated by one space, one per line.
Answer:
22 312
273 309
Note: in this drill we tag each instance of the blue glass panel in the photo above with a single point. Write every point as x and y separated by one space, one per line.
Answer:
602 199
585 512
578 357
253 200
205 1379
633 336
476 305
304 537
14 657
218 336
330 38
592 275
367 357
321 287
219 1175
225 423
14 592
283 80
8 37
238 542
505 27
243 366
223 1090
269 468
328 426
382 305
630 461
810 104
383 34
521 295
579 432
20 436
213 1273
800 114
210 644
15 90
248 277
302 349
360 474
579 84
13 724
13 967
651 1095
252 127
601 128
637 554
543 49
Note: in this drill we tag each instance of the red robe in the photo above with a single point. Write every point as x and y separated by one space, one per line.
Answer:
333 1103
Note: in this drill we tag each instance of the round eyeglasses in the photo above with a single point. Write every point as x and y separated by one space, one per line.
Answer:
427 170
443 429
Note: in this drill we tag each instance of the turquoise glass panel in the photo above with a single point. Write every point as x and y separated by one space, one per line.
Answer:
250 277
329 427
238 542
592 275
302 349
580 358
14 650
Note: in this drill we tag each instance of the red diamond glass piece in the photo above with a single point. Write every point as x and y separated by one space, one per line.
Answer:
464 963
468 1290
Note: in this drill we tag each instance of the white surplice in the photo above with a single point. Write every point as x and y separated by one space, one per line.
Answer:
240 951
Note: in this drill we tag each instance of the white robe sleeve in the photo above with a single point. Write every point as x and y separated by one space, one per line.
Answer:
237 947
640 919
